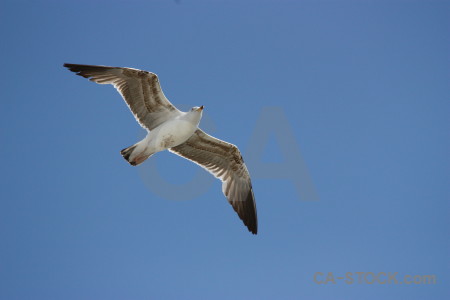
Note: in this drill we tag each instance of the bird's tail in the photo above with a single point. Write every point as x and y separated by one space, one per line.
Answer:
135 154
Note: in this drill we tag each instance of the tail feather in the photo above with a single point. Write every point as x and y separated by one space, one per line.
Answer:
126 153
134 157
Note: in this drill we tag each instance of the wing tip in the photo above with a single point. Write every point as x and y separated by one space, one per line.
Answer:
253 230
77 69
81 70
73 66
252 226
250 219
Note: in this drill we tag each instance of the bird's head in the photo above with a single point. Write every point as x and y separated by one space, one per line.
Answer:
197 108
195 114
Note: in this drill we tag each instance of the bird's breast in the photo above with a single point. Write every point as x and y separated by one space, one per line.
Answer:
173 133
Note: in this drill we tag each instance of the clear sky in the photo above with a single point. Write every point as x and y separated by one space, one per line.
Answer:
360 98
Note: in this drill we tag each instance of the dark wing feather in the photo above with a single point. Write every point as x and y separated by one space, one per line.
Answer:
140 90
225 162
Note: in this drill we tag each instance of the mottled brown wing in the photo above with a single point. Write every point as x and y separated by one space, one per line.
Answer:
140 90
225 162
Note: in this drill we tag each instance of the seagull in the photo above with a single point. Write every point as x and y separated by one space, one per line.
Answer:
171 129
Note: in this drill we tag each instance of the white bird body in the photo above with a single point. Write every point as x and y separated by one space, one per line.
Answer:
169 134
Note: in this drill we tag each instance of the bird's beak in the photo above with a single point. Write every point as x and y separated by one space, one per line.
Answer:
200 108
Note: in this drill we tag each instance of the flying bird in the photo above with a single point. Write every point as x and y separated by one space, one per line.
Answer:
171 129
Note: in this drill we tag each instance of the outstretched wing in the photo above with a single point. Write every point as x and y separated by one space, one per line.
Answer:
140 90
225 162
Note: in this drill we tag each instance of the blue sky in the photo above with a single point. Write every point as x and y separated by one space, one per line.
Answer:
362 90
